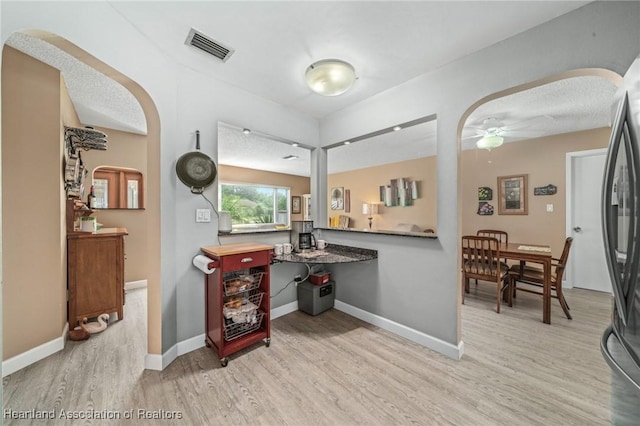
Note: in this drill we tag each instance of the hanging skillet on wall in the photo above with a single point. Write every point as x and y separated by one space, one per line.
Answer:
195 169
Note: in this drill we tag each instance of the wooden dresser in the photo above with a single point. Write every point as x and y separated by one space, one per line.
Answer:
95 274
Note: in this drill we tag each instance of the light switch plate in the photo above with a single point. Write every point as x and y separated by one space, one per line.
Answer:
203 215
549 207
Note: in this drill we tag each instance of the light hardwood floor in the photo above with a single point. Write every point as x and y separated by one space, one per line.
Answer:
333 369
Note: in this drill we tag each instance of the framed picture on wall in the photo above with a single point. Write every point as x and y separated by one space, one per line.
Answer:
296 204
337 198
347 201
512 194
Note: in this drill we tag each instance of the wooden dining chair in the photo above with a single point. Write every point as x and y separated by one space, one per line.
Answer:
534 277
501 236
480 260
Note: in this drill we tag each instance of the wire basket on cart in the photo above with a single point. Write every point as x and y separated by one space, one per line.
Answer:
239 283
241 313
234 330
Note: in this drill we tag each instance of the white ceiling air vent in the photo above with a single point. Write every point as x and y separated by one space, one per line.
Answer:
208 45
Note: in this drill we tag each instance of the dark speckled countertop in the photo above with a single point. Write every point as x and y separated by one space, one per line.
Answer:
383 232
333 253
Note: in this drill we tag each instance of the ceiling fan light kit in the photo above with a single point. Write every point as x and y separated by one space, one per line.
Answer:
330 77
490 142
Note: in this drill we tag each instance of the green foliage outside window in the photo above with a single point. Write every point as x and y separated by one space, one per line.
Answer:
252 204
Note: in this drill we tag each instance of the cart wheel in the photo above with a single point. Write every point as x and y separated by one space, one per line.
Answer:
207 344
267 341
224 361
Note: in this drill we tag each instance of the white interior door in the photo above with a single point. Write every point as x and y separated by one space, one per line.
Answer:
587 264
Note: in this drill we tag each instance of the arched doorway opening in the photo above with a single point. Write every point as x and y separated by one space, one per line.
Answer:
51 291
570 122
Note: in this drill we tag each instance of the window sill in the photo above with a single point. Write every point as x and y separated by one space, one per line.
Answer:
118 208
253 231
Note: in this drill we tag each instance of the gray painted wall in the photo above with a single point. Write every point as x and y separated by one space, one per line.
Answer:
399 285
420 280
201 104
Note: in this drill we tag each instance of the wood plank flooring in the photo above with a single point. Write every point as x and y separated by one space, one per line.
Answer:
333 369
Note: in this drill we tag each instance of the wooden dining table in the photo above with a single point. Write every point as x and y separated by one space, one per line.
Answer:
533 253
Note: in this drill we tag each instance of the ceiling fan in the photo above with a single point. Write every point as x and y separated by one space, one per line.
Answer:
492 131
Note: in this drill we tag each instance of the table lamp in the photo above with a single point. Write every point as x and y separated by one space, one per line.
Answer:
370 209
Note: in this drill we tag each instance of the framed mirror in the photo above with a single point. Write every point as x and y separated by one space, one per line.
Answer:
117 188
259 177
385 180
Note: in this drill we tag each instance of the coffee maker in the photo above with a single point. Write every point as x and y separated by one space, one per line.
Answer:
302 235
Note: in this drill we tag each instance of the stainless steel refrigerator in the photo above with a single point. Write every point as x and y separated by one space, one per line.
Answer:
620 343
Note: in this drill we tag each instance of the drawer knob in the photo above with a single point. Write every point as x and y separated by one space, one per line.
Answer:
247 260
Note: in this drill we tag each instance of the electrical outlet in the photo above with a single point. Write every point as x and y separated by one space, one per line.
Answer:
203 215
549 207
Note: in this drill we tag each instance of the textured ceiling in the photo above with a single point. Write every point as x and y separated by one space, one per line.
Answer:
98 99
388 42
378 38
406 144
571 105
260 151
579 103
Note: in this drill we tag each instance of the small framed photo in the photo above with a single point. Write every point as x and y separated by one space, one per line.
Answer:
485 193
337 198
296 204
512 194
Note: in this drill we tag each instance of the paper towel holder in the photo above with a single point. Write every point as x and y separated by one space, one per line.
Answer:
205 264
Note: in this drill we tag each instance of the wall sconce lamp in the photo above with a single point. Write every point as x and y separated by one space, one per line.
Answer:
370 209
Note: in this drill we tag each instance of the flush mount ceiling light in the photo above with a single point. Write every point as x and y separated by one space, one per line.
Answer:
490 142
330 77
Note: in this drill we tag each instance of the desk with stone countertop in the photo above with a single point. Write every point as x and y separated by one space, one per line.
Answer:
314 298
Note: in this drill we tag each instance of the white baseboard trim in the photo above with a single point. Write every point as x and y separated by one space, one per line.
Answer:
31 356
190 345
160 362
153 362
440 346
132 285
284 310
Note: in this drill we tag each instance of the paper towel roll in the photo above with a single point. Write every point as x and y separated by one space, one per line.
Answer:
202 262
224 221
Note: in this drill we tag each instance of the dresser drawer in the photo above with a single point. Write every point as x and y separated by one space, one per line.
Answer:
244 260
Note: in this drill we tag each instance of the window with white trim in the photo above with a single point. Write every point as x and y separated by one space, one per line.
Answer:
255 205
